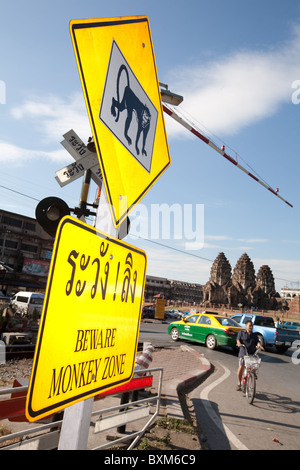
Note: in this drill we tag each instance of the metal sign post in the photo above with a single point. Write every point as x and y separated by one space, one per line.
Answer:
76 423
75 427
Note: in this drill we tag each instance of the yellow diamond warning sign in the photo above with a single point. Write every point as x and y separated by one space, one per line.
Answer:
116 63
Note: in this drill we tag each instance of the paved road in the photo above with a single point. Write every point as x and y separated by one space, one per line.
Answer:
228 420
157 333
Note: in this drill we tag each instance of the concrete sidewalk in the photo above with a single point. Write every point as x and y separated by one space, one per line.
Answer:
183 370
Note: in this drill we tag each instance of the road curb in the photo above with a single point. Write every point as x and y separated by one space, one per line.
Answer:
178 389
194 377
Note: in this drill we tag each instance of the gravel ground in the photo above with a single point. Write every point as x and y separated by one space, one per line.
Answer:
15 369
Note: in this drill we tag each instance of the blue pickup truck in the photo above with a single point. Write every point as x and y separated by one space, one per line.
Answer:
268 334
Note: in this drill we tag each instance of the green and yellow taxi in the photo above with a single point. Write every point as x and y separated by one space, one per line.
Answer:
207 328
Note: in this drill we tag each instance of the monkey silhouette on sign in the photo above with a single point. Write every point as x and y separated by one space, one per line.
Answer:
131 103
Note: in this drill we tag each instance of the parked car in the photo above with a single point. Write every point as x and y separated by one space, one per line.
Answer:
293 325
173 314
211 330
148 312
26 303
183 314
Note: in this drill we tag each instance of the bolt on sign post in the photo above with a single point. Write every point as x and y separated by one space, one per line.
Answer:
90 322
117 68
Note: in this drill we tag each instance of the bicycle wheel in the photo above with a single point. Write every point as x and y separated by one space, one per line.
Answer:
251 387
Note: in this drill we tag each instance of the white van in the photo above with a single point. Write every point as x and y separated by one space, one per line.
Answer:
26 302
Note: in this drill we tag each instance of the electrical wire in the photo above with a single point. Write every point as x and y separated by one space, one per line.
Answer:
18 192
143 238
172 248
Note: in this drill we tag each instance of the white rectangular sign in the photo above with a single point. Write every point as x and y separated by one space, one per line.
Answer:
75 170
78 150
74 145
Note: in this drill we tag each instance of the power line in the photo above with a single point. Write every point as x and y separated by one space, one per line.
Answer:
17 192
146 239
196 256
172 248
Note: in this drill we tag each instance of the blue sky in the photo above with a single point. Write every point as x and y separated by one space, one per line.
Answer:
237 66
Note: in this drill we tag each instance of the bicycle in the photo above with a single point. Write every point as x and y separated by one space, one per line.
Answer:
248 385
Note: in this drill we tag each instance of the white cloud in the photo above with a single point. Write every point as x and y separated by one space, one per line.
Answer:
180 266
223 96
226 238
51 117
54 116
286 272
10 153
281 266
33 109
238 90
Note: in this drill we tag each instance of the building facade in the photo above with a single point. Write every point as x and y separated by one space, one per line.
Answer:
157 286
25 253
186 292
174 291
289 294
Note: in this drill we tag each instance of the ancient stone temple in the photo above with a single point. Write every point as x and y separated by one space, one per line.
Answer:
265 280
243 282
265 292
244 274
215 290
241 287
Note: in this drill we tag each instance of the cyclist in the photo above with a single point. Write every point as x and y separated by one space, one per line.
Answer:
251 341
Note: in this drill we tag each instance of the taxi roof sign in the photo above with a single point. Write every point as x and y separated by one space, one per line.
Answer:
90 322
117 68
